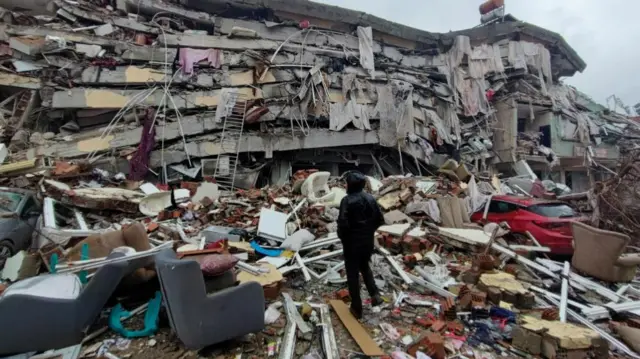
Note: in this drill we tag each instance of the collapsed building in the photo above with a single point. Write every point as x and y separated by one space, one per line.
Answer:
251 91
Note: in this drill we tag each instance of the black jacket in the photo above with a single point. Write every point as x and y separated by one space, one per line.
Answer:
360 216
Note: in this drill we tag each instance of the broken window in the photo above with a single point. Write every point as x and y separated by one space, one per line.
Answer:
9 201
60 224
569 130
502 207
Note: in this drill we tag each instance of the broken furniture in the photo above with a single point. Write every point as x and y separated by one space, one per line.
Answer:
316 189
200 320
53 311
599 253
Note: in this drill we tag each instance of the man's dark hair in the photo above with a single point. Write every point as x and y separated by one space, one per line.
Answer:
356 182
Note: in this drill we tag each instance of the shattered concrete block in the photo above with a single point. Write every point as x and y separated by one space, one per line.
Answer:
526 301
88 50
510 297
494 295
526 340
599 348
471 276
104 30
30 45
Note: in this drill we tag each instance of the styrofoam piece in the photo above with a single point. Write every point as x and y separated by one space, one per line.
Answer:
149 188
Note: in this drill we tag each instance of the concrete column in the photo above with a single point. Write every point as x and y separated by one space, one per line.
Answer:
280 171
506 132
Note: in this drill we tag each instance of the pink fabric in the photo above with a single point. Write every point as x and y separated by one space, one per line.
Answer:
189 56
217 264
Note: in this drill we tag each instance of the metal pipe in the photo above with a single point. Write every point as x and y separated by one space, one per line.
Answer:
328 336
556 296
322 256
289 341
305 270
564 292
584 282
432 287
525 261
396 266
318 244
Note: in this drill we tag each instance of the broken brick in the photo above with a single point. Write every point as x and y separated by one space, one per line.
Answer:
448 309
551 314
438 326
152 227
455 327
343 294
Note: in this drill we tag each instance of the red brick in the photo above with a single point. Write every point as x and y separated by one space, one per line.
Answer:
343 294
152 227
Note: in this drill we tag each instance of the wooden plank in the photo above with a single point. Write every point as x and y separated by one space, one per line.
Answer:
359 334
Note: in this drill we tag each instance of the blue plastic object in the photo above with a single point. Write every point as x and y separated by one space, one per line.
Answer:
84 255
150 319
266 252
503 313
53 263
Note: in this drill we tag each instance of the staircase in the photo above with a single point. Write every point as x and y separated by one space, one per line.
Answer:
233 125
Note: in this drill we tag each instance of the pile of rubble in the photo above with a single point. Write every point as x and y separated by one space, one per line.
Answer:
451 287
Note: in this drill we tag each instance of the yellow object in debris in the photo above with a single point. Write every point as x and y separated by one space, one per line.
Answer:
504 281
274 275
569 336
505 305
17 166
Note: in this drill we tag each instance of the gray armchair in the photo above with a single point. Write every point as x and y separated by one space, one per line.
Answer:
201 320
600 254
35 319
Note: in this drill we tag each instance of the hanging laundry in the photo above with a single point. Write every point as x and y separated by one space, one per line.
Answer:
189 56
139 164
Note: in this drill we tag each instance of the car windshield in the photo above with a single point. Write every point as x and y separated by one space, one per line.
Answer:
560 210
9 201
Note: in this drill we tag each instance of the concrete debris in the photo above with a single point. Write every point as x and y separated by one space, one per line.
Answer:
150 138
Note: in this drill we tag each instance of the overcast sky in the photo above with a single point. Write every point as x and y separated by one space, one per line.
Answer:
605 33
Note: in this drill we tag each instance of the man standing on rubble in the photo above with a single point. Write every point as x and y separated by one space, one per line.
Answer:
360 216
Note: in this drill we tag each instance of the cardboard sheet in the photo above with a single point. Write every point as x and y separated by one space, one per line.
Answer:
274 276
359 334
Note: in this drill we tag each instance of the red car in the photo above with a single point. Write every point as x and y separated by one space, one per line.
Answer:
548 221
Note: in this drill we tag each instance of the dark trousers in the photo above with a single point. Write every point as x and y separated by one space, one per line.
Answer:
356 261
